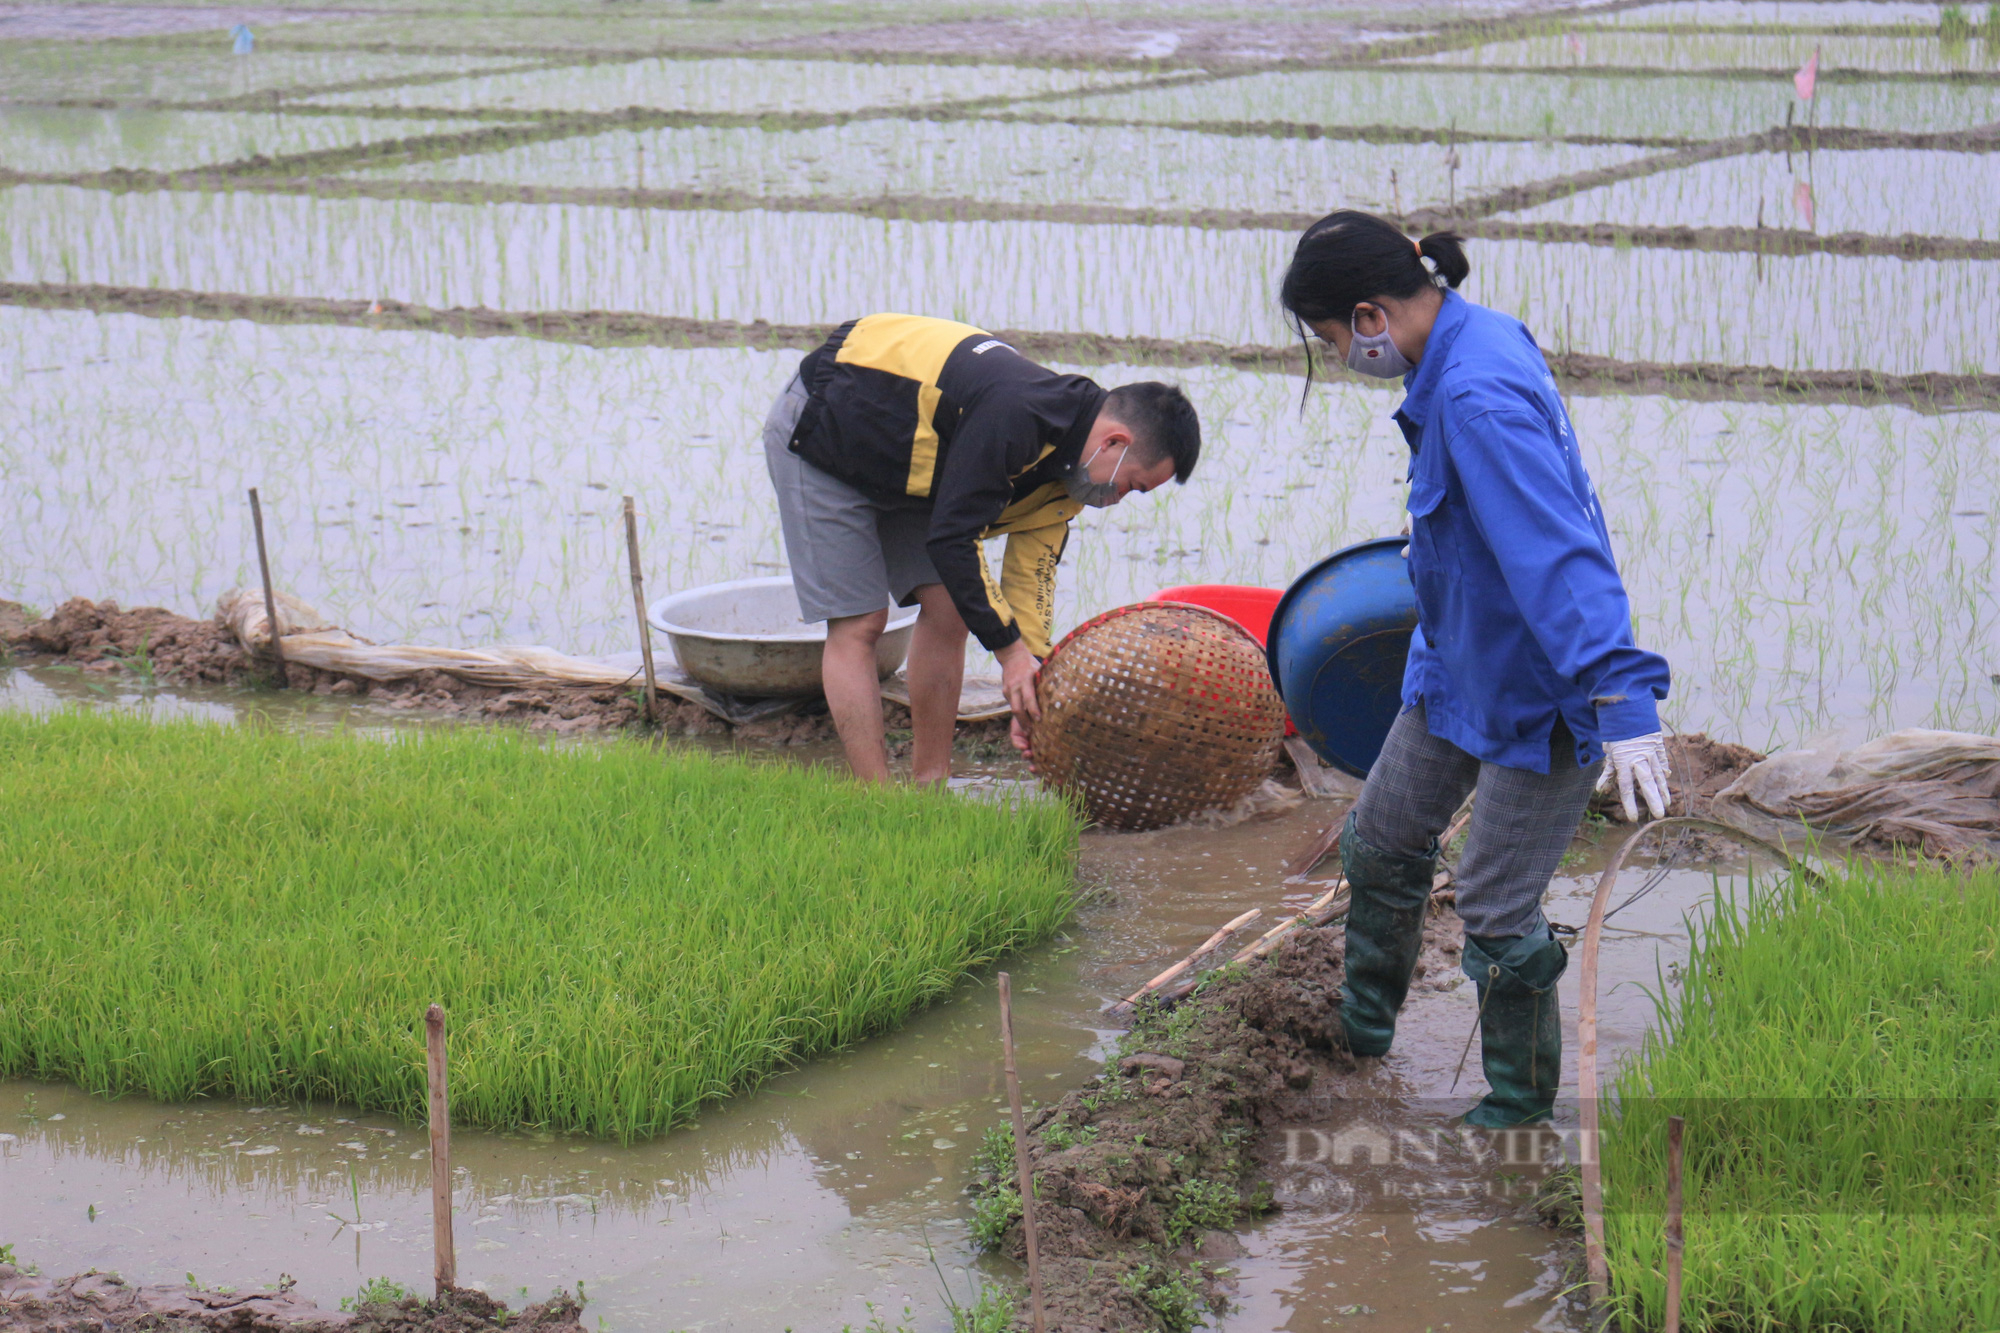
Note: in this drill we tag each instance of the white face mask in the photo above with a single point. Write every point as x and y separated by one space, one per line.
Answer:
1375 354
1096 494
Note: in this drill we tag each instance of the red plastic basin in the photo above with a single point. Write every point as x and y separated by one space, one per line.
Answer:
1249 607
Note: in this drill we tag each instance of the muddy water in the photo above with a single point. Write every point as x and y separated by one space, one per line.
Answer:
828 1191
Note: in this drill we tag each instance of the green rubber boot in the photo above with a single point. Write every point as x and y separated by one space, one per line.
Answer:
1520 1025
1385 932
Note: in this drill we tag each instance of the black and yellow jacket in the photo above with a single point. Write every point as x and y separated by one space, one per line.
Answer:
908 405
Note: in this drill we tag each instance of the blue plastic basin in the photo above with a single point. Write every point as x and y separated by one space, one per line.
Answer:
1339 640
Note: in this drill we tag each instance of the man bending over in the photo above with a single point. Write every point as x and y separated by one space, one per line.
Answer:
905 441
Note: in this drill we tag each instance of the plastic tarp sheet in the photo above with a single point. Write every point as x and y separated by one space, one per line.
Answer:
310 640
1935 793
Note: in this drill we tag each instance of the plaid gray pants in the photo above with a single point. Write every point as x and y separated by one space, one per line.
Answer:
1522 822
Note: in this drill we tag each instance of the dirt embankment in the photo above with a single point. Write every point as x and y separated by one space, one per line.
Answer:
1142 1177
105 1303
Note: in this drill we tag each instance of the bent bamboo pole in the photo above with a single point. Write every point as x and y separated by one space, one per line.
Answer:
1207 946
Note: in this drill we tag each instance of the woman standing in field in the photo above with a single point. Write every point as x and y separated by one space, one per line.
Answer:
1523 684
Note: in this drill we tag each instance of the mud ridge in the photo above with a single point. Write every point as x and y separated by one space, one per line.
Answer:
1580 372
105 1303
1142 1177
147 646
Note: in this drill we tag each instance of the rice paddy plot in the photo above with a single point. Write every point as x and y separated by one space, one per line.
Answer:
656 32
1022 164
1173 282
1538 104
619 934
732 85
76 139
1700 50
1635 303
1777 14
1799 312
1806 568
150 71
1882 192
417 488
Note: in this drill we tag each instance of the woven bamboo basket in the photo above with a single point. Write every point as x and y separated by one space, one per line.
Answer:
1155 712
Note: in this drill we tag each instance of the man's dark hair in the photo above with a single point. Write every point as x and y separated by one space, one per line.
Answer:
1162 421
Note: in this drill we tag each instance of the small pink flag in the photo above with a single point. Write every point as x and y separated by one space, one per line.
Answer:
1808 77
1802 201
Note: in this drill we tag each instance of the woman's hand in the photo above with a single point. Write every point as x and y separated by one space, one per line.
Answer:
1641 764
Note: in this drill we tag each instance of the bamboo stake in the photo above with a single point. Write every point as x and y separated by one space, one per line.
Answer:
445 1253
270 598
1024 1176
639 605
1184 964
1675 1240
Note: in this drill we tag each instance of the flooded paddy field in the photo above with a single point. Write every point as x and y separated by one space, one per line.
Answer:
1814 563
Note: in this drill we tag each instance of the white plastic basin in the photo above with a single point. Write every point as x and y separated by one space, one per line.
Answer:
746 637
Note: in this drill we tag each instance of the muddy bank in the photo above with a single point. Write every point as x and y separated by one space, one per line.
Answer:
1142 1176
150 645
105 1303
1580 372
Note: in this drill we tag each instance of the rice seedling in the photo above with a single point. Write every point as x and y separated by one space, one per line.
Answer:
1937 194
1836 1054
620 934
732 85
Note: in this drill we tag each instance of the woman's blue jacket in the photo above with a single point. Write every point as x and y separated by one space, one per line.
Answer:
1521 614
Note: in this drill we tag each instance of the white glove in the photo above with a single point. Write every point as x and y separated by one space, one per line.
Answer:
1640 762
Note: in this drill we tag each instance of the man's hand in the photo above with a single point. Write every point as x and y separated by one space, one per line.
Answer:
1019 735
1017 682
1641 764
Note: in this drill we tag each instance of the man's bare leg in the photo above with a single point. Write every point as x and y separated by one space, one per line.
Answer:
937 672
854 691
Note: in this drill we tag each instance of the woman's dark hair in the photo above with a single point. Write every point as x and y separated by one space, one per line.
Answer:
1349 257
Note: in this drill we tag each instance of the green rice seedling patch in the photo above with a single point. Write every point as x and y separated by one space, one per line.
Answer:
732 85
1634 304
75 139
131 71
1879 191
1699 50
1138 167
619 934
1776 14
1548 104
1836 1054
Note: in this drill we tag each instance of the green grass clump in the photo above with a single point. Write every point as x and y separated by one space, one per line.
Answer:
1836 1053
618 934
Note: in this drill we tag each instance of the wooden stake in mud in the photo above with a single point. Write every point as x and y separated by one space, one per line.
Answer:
441 1241
1675 1240
270 598
1024 1176
639 605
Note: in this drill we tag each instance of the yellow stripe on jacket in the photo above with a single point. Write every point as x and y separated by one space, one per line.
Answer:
1037 528
914 347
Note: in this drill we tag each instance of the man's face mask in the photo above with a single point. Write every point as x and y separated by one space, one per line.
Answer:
1375 354
1096 494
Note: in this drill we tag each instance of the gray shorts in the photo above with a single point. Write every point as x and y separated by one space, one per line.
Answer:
850 552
